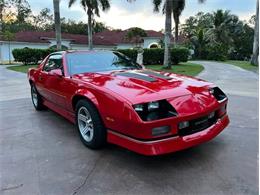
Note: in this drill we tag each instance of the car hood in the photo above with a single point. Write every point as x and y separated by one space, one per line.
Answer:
138 86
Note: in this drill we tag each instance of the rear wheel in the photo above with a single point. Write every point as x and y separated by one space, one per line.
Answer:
90 126
36 98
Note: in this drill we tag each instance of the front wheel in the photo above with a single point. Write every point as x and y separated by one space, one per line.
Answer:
90 126
36 98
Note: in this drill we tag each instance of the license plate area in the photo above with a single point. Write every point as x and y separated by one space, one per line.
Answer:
197 125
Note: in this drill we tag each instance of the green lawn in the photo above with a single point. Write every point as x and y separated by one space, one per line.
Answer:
21 68
243 64
186 68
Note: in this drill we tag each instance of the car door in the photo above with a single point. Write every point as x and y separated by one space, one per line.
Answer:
51 84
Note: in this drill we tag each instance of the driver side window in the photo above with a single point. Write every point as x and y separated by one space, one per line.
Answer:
54 62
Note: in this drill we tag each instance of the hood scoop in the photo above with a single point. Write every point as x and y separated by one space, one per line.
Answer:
155 74
136 76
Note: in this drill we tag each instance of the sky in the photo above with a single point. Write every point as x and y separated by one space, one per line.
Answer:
123 15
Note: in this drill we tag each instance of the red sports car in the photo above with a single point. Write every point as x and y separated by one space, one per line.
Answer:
112 99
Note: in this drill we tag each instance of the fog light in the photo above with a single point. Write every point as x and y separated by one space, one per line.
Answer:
184 124
160 130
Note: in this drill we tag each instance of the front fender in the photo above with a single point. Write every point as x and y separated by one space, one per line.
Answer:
87 94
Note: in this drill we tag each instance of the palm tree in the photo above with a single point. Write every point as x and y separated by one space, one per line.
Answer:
167 9
199 41
220 33
56 7
177 8
254 60
92 8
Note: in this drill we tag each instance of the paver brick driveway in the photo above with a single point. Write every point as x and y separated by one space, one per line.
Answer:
40 152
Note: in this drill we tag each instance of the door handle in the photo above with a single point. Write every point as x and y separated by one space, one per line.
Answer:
40 78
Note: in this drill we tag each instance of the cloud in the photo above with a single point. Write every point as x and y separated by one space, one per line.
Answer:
140 13
117 17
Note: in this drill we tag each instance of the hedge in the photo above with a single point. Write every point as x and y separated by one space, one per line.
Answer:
30 55
155 56
150 56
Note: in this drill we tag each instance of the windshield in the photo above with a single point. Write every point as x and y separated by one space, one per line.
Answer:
83 62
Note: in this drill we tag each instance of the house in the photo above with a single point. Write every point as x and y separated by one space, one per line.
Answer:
115 39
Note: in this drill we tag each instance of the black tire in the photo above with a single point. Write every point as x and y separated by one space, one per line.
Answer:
38 104
99 131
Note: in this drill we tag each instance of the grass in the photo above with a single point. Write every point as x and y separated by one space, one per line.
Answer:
21 68
243 64
186 68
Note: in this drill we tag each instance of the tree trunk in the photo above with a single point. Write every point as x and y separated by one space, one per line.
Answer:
254 60
1 16
9 49
167 34
56 6
90 39
176 37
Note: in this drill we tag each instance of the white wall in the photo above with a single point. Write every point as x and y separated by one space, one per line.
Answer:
4 49
125 46
149 41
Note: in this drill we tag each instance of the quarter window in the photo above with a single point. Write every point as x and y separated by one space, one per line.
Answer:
54 62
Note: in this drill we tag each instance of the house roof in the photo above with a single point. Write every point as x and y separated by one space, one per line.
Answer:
119 36
108 38
43 37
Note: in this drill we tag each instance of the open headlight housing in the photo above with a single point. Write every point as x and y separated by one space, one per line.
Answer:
218 93
155 110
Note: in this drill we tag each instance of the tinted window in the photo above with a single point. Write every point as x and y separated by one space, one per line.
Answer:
97 62
54 62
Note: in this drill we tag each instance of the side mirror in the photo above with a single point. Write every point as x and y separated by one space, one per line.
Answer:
56 72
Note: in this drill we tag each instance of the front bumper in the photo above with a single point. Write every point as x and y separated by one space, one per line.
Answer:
168 145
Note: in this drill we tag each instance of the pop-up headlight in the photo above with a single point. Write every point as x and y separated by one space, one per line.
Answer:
155 110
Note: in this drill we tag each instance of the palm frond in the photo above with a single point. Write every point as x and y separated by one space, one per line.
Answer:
157 5
71 2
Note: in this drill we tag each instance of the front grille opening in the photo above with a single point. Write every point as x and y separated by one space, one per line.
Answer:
199 124
218 94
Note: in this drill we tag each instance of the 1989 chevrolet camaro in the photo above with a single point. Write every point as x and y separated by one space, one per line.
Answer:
112 99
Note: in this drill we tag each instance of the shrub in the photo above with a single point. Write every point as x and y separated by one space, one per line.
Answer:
217 52
156 56
30 55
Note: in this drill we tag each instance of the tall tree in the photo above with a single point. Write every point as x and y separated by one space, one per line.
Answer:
2 5
255 55
8 36
92 8
177 8
23 10
167 9
135 35
56 6
168 29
